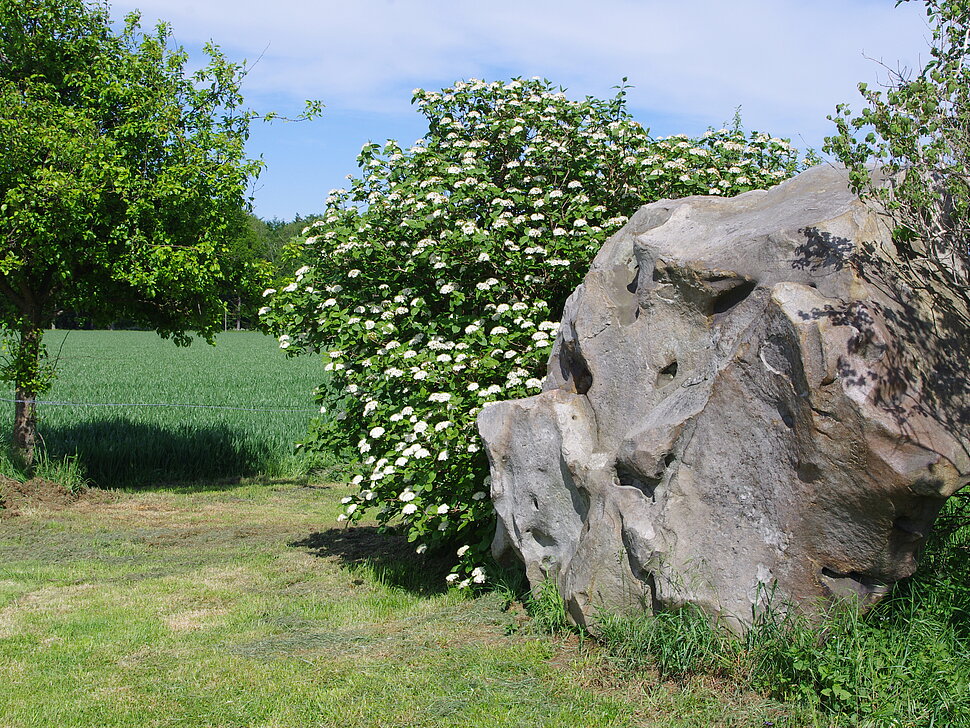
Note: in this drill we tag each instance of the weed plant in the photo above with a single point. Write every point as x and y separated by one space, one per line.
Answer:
547 609
66 471
904 663
139 443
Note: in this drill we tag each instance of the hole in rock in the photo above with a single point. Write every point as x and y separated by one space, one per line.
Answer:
574 369
632 287
730 298
808 472
786 414
629 478
851 583
667 374
912 530
541 537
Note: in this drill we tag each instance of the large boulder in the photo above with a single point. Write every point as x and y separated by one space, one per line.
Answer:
744 405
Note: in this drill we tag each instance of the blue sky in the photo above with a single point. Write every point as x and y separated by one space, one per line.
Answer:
786 63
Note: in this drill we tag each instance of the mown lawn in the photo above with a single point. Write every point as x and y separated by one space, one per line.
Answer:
216 588
247 606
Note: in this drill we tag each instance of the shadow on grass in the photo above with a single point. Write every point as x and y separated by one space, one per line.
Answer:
386 555
119 453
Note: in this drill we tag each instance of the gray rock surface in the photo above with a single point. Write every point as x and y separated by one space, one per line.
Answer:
743 404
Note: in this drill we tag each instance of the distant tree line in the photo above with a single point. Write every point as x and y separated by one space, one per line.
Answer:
258 246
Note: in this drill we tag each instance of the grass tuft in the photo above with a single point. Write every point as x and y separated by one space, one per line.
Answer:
547 609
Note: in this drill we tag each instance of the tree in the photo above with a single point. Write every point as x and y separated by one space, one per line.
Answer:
120 175
917 133
434 285
908 153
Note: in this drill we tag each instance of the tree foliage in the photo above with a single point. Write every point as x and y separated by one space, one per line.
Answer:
121 176
916 132
434 284
908 153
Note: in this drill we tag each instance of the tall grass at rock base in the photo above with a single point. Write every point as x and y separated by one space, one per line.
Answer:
905 663
113 436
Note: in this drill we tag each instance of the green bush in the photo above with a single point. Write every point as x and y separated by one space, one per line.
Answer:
433 286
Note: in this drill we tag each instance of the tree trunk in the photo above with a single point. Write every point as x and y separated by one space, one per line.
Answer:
238 313
25 428
27 359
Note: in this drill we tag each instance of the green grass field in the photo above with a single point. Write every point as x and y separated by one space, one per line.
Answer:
201 598
137 445
247 607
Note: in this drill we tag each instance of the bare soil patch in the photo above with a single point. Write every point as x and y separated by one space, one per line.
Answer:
37 493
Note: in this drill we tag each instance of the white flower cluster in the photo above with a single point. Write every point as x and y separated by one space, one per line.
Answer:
433 285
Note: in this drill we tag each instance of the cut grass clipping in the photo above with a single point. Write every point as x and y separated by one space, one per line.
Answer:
142 443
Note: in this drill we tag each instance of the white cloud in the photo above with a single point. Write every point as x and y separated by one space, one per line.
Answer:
785 62
686 56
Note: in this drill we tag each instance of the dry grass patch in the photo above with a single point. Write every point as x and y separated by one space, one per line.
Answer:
194 619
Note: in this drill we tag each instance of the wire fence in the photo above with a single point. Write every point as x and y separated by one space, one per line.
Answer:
53 403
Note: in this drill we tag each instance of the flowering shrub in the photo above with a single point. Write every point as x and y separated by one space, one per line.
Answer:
434 284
